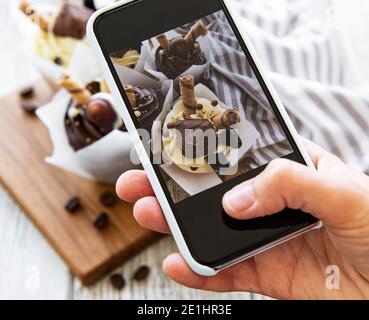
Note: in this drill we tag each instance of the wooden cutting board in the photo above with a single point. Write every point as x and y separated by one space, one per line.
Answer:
42 191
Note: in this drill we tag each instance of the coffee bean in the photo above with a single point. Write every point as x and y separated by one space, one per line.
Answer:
73 204
141 273
108 199
29 106
27 93
58 61
118 282
100 221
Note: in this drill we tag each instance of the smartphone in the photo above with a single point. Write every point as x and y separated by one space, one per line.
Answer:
184 75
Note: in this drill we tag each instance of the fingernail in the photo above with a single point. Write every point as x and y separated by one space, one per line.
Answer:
239 199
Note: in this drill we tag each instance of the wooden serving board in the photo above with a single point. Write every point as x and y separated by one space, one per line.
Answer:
42 191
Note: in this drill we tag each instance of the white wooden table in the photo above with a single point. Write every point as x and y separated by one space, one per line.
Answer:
30 269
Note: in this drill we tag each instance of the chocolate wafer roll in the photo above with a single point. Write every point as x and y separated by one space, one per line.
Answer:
79 93
226 119
196 31
187 88
163 41
35 16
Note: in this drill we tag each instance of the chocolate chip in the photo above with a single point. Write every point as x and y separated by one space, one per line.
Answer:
100 221
73 204
29 106
214 103
27 93
194 168
141 273
58 61
117 281
108 199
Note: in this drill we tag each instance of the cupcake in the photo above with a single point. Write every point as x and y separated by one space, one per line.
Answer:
126 58
90 114
175 56
59 31
146 103
189 125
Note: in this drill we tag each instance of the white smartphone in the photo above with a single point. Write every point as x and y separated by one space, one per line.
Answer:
203 118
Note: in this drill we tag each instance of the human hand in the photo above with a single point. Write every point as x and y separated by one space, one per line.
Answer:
334 193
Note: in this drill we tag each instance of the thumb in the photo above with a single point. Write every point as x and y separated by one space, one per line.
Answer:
286 184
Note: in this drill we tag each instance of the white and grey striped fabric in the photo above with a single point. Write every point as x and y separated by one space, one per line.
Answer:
311 70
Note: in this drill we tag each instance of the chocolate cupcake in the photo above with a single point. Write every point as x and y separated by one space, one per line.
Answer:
90 114
146 103
175 56
69 21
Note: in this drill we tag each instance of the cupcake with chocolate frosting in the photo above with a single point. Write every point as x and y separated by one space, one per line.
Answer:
90 114
146 104
189 126
59 31
175 56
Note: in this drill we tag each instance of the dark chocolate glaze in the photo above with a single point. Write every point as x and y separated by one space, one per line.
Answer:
72 20
194 142
80 131
149 105
179 57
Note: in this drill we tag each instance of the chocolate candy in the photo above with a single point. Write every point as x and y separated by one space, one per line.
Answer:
101 114
71 21
101 221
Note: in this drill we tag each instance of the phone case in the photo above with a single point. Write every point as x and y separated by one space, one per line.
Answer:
145 160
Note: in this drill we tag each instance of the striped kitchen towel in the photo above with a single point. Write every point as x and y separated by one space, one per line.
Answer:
312 72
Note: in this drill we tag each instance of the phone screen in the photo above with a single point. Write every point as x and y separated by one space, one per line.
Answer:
197 98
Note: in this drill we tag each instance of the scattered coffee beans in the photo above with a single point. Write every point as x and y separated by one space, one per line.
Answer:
141 273
27 93
108 199
100 221
117 281
73 204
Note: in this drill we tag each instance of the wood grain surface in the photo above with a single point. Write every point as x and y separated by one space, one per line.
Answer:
42 190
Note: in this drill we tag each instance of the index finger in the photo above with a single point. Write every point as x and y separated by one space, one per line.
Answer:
134 185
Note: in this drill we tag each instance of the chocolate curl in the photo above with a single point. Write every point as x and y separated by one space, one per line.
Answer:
196 31
35 17
226 119
187 88
79 93
131 95
163 41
